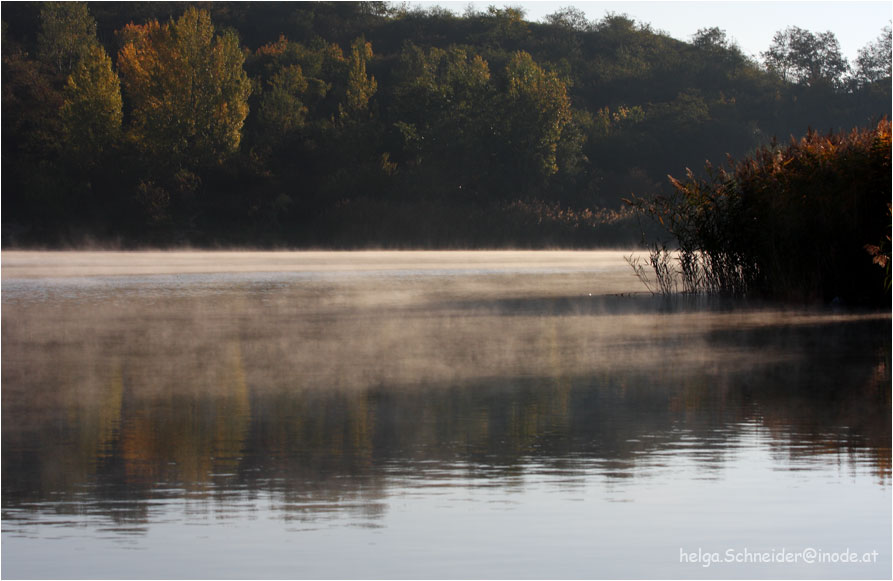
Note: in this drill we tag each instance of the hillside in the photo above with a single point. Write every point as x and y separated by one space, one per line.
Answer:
358 124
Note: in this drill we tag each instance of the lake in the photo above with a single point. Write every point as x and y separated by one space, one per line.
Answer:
431 415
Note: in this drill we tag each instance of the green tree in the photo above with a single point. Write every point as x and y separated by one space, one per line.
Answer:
281 90
618 24
67 35
509 24
804 58
443 99
187 89
571 18
711 38
536 110
873 63
442 92
91 110
723 57
32 143
282 108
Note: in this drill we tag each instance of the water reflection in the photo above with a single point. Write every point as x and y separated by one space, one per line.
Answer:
326 403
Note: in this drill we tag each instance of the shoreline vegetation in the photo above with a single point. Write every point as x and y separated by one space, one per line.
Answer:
809 221
355 125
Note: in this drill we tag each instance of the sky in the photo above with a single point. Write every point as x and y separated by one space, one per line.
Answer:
751 24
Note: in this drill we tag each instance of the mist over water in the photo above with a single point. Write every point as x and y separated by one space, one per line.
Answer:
428 414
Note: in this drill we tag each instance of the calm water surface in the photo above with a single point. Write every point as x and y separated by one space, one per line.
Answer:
419 415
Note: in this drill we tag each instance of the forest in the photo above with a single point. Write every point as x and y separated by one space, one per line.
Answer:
368 124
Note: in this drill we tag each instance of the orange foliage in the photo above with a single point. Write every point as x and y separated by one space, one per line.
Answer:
186 86
790 221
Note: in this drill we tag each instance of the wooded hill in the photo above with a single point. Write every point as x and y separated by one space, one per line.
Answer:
360 124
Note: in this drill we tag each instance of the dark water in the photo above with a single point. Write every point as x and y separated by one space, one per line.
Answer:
443 424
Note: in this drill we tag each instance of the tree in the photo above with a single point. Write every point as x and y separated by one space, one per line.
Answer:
31 102
616 23
187 89
570 17
711 39
322 67
536 110
510 26
360 87
873 63
442 97
32 143
439 83
808 59
282 109
722 50
91 110
67 35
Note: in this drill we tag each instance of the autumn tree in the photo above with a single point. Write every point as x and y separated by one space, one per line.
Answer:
447 105
186 87
360 86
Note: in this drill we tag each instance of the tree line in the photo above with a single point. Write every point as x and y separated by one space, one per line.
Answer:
354 124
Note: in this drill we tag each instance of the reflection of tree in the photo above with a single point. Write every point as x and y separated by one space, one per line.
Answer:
308 403
183 437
